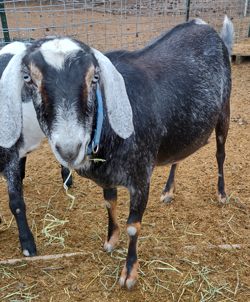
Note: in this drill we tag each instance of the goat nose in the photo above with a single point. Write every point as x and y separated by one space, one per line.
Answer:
68 152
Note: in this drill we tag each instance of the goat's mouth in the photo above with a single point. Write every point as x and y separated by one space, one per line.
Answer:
81 161
71 155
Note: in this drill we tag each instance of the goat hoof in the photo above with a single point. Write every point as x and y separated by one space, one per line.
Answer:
29 252
223 199
28 247
167 197
128 279
110 245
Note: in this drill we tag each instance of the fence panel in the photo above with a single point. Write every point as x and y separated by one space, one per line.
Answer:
107 24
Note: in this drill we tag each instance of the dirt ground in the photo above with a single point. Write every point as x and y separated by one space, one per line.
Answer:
191 250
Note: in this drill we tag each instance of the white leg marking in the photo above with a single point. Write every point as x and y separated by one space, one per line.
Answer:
131 230
26 253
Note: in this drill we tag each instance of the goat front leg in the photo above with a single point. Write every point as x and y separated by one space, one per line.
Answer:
138 202
110 196
22 164
17 206
65 175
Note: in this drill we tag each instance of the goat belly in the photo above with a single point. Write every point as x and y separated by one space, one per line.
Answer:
173 151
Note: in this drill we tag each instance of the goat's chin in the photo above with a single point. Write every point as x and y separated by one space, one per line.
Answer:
62 161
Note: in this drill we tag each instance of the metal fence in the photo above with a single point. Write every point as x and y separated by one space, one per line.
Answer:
107 24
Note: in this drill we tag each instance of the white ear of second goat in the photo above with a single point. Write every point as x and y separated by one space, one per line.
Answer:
32 133
13 48
11 84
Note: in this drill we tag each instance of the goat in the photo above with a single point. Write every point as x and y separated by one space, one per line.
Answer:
30 138
114 117
11 141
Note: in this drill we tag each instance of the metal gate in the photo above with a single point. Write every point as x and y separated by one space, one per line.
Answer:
108 24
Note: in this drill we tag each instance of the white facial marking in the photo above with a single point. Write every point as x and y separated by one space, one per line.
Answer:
32 133
56 51
131 230
26 253
18 211
68 133
199 21
13 48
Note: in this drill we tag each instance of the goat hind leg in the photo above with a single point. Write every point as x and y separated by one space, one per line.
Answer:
221 132
168 192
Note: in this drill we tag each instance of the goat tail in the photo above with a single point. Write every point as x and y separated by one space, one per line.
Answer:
227 34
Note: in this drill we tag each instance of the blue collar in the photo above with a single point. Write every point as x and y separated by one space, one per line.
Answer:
93 146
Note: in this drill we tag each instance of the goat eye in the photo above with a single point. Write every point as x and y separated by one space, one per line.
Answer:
95 79
27 79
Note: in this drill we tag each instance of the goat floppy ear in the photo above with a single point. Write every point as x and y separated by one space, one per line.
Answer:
11 84
119 110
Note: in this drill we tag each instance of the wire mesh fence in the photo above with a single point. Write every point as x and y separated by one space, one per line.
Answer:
107 24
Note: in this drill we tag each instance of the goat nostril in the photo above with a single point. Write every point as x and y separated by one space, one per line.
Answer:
61 151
